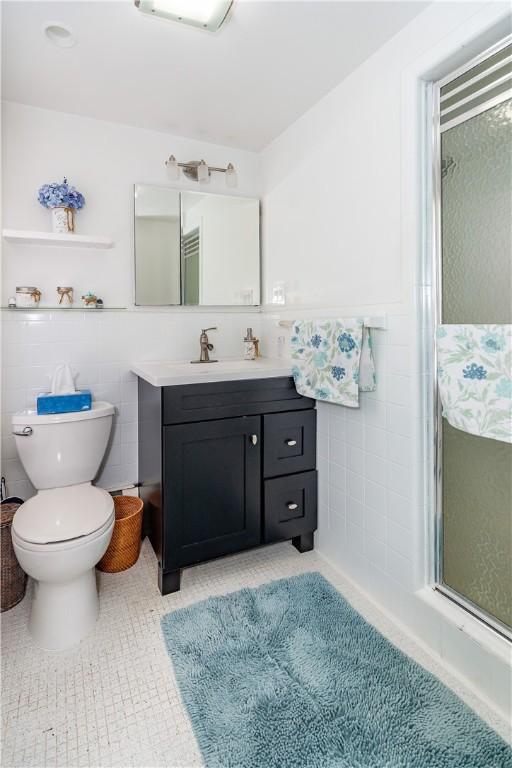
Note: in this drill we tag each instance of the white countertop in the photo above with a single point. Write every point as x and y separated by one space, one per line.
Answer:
162 374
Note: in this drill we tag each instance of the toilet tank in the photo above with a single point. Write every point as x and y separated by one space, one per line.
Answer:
62 449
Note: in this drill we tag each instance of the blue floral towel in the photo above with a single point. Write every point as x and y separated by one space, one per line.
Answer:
475 378
333 360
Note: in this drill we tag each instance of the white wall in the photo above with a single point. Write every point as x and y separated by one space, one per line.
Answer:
103 160
343 227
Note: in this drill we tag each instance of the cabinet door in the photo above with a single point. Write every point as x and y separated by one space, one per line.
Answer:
212 489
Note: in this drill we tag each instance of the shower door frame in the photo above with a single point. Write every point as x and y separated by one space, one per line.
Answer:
436 313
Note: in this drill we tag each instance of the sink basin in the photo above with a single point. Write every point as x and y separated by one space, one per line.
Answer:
164 374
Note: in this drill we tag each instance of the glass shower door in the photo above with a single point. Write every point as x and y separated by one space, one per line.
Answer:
475 287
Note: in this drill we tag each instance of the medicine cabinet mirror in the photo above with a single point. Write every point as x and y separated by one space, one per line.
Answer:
195 248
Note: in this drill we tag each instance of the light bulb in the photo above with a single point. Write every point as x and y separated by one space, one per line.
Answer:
203 173
231 177
173 169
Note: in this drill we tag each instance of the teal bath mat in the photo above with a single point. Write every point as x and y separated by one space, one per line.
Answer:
288 675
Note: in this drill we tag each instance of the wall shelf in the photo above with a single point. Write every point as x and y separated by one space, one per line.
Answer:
27 237
62 309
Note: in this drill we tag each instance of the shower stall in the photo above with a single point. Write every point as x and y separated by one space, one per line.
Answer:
473 286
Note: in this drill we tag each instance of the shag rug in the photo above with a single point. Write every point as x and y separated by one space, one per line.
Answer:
289 675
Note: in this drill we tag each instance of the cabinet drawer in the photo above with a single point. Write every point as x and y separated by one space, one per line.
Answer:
290 506
289 443
228 399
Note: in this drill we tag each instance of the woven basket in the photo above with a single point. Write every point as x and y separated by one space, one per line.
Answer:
124 548
13 578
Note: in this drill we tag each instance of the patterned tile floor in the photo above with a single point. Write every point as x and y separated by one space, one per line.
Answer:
113 700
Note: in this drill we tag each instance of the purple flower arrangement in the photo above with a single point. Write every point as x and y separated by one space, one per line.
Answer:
60 196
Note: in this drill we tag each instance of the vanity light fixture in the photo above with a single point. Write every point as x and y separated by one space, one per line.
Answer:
203 173
231 178
173 170
205 14
198 170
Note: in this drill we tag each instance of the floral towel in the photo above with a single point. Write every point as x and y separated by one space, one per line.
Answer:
333 360
475 378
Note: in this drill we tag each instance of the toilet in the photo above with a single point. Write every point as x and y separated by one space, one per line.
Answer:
63 531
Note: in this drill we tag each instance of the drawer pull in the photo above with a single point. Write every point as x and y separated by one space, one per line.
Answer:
292 505
291 442
254 439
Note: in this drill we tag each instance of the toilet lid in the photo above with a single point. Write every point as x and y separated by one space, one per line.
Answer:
29 416
61 514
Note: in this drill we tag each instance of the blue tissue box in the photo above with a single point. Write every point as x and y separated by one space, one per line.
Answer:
78 401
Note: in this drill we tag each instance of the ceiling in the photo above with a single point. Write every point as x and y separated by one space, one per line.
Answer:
241 86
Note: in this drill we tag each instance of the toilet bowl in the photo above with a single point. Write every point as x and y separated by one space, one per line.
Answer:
63 531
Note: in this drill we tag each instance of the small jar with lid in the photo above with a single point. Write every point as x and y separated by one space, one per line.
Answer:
27 296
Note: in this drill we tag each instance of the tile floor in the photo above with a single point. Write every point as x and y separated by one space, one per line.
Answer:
113 700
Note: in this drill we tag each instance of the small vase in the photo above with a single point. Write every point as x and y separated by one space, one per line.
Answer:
63 220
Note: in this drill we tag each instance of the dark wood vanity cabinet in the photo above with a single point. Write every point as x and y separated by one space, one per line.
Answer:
223 467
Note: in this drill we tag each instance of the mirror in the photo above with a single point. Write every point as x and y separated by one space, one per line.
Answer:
157 246
195 248
220 249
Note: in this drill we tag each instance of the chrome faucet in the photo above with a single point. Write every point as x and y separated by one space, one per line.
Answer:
206 347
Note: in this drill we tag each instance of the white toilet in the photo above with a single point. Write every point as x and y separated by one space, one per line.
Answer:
63 531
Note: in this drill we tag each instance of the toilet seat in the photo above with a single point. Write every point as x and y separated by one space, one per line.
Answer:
60 546
57 517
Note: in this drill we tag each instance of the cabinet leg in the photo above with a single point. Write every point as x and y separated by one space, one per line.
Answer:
304 543
169 582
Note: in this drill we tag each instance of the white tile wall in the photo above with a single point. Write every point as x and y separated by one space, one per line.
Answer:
368 508
100 348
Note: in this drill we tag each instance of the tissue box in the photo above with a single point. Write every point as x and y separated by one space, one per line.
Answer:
77 401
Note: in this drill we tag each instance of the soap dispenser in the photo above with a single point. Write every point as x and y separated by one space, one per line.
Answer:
249 346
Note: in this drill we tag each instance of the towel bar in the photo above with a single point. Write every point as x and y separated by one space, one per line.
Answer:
370 322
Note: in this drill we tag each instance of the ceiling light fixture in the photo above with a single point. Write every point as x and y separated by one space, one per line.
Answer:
205 14
59 35
198 170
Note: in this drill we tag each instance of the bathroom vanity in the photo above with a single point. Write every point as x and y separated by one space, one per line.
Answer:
227 460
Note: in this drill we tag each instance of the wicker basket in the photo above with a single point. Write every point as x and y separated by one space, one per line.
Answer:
124 548
13 578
